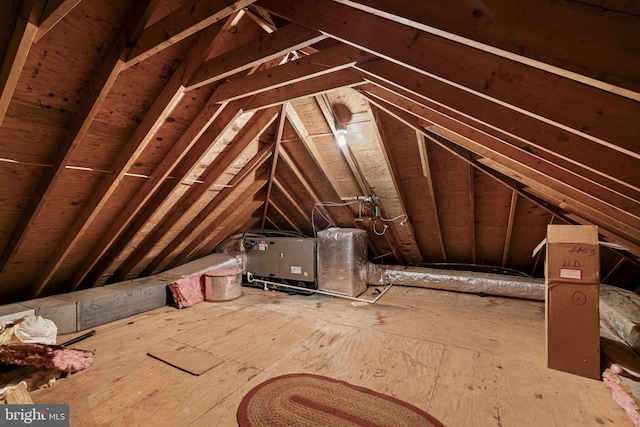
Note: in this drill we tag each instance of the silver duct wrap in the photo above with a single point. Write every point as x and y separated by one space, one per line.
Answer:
233 247
460 281
342 260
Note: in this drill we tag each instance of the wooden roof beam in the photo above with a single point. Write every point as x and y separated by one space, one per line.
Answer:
268 47
223 161
392 200
240 203
22 38
615 231
291 223
306 88
606 119
274 163
310 145
293 202
308 188
163 105
54 11
509 233
329 116
618 205
194 16
224 120
190 232
426 171
591 43
606 166
506 160
91 103
324 62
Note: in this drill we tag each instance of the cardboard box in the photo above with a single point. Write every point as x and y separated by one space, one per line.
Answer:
572 284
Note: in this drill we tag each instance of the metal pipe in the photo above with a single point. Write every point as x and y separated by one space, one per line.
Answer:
250 279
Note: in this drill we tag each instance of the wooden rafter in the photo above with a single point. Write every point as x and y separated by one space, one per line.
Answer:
467 156
303 89
92 101
23 36
54 11
310 145
324 62
190 232
291 225
224 120
508 234
604 166
485 74
223 161
184 22
162 107
426 170
292 201
472 212
270 46
576 41
573 185
307 186
242 202
329 116
406 247
274 163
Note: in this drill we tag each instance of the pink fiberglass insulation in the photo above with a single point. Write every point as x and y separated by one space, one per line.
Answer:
187 291
47 356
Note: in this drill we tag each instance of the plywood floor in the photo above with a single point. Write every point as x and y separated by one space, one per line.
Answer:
465 359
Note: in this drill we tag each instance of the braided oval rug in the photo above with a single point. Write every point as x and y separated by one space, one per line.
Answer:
313 400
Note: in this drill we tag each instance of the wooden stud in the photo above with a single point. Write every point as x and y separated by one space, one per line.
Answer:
92 102
501 80
426 169
274 162
270 46
512 216
189 232
15 56
194 16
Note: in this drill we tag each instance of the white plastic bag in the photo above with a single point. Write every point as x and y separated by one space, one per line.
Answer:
36 329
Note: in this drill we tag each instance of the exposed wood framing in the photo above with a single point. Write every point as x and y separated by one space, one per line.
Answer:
54 11
472 211
224 121
223 161
184 22
196 226
92 101
591 42
24 34
274 163
548 174
512 215
485 75
426 170
270 46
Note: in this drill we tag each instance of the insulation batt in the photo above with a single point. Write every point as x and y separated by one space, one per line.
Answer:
46 356
187 291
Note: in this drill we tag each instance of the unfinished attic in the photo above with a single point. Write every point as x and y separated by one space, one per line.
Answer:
155 142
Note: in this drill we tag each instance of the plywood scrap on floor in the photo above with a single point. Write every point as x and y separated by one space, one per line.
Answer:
16 395
184 357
